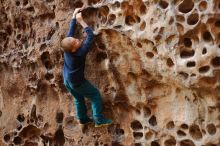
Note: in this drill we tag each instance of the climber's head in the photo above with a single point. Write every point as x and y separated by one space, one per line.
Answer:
70 44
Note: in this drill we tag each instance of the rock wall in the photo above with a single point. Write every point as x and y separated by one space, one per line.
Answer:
156 63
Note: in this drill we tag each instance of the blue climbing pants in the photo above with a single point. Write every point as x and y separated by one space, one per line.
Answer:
86 89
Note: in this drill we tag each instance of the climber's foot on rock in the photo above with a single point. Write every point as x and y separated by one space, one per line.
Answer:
101 122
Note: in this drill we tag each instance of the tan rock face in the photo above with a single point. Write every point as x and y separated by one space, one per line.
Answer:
156 63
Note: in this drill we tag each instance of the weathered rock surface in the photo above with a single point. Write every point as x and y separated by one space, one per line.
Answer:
156 63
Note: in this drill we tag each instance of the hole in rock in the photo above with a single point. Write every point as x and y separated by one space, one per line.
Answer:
161 30
17 3
187 142
7 137
170 62
33 113
191 64
90 2
119 131
25 44
171 20
78 4
155 143
154 31
204 69
18 36
17 140
137 135
170 125
46 126
49 76
158 37
103 11
115 143
181 133
184 75
136 144
9 29
138 19
50 34
186 6
129 20
19 127
138 111
170 142
153 121
217 23
150 54
101 56
148 135
142 9
211 129
59 137
111 19
38 40
180 18
210 144
43 46
57 25
187 53
49 1
99 43
4 18
163 4
147 111
207 36
204 51
203 6
117 4
15 133
21 118
25 2
184 126
30 9
193 75
0 113
187 42
1 51
180 27
45 58
193 19
118 26
195 132
216 61
211 20
136 125
59 117
143 25
139 45
154 48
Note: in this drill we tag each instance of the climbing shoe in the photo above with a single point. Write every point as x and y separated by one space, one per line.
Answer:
85 121
102 122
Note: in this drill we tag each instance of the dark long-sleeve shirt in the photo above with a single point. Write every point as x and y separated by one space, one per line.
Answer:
74 63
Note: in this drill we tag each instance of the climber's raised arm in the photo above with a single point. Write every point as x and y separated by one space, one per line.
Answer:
89 37
73 22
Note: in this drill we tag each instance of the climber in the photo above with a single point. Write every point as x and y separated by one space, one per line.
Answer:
75 51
